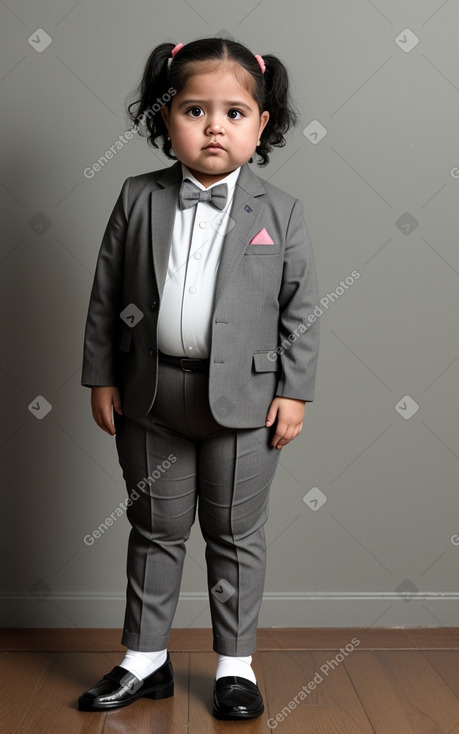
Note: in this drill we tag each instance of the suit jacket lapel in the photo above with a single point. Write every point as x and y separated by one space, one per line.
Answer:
245 214
163 202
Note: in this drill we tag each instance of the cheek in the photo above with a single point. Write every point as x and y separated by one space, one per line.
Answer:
251 130
183 130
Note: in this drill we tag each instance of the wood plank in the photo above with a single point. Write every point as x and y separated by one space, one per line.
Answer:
61 639
191 639
325 720
307 692
330 638
446 663
402 693
94 639
445 638
21 675
54 706
200 639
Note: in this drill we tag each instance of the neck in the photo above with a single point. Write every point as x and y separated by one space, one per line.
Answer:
207 179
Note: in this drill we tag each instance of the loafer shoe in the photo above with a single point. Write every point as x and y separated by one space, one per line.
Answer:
236 698
120 688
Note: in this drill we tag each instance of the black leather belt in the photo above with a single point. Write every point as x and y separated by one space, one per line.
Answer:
187 364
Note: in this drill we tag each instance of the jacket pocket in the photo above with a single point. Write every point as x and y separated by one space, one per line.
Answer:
266 361
263 249
125 341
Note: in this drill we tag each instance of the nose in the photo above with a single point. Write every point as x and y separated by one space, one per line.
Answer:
215 124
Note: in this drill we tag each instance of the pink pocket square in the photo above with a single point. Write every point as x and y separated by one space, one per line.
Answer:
261 238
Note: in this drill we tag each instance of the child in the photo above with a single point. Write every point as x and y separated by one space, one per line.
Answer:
201 351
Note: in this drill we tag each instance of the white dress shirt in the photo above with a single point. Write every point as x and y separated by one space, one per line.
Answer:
185 314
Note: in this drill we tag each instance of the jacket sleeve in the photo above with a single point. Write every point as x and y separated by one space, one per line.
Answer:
103 321
298 326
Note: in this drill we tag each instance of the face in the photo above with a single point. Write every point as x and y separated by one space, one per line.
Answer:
213 107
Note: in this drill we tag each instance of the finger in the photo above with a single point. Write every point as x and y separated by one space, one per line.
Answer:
108 421
282 439
278 440
97 417
103 420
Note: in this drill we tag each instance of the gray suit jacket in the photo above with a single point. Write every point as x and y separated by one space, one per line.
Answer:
264 338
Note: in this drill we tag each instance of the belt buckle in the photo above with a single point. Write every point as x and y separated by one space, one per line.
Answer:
188 359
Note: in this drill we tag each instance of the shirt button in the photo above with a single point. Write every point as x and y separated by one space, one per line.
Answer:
192 289
203 223
197 255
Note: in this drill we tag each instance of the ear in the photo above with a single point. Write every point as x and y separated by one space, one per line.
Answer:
264 117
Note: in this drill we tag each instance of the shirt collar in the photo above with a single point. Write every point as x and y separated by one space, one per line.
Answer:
230 179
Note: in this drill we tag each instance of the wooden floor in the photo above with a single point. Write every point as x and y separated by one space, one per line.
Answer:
388 681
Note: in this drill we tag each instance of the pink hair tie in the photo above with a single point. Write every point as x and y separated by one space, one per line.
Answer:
176 49
261 63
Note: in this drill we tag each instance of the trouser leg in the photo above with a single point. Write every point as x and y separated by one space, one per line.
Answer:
235 472
159 466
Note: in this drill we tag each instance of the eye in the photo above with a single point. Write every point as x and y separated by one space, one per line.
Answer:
194 109
238 112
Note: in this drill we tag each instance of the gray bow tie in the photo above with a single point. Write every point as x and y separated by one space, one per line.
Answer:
190 194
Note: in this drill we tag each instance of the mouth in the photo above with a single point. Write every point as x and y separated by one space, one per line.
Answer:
213 146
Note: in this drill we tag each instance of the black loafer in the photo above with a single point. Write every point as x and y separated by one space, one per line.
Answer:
236 698
120 688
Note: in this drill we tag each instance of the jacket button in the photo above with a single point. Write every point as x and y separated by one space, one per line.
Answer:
152 352
154 305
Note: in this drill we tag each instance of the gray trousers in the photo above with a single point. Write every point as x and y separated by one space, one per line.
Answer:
177 459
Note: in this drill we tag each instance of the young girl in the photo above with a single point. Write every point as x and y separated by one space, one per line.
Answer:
201 349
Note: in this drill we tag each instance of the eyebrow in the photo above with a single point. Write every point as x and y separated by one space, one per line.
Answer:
226 103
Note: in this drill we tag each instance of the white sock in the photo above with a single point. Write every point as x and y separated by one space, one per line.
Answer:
228 665
142 664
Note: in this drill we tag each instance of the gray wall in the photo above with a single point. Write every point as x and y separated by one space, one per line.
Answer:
380 191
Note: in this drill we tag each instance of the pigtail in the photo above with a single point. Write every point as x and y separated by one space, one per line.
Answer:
277 100
152 93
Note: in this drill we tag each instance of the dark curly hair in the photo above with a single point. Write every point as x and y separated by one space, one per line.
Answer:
160 83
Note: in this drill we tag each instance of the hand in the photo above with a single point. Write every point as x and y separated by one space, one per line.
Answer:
290 414
103 401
